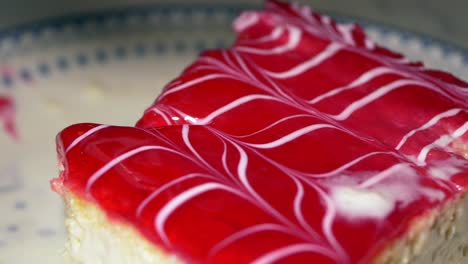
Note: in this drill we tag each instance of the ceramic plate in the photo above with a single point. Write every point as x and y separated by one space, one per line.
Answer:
107 67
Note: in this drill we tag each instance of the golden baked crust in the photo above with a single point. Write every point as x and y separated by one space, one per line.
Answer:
438 237
94 238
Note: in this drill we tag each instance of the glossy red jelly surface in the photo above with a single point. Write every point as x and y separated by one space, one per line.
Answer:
304 142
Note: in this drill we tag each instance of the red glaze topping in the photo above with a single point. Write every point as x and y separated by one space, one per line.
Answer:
7 116
303 143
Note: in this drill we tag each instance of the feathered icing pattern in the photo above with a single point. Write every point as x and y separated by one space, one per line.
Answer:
304 142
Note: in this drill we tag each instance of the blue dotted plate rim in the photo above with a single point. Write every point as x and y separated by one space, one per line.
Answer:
77 20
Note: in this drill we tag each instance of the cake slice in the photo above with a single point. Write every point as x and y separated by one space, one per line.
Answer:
305 142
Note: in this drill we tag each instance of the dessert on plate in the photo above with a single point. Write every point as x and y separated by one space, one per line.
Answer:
305 142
